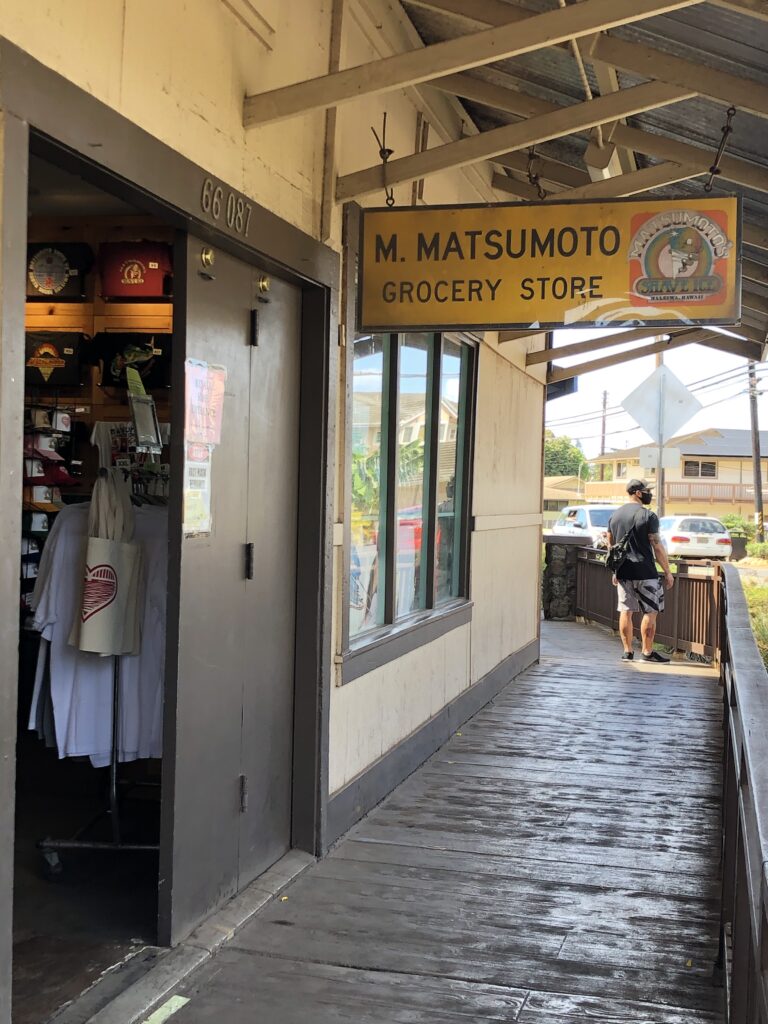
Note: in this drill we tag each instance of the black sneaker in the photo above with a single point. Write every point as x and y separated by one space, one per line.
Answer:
658 658
628 656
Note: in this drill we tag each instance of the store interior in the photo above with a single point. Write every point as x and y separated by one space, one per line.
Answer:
99 305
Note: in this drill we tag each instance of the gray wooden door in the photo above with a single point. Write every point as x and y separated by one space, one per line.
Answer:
204 698
229 703
267 735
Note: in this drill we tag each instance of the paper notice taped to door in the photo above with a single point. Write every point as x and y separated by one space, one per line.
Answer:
204 406
197 488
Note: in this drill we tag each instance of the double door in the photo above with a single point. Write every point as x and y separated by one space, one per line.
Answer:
229 741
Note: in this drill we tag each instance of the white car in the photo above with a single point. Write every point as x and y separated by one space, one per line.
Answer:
695 537
585 521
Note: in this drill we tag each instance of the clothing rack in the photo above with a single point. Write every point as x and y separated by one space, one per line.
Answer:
50 847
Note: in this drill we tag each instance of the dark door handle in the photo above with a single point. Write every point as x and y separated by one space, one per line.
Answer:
249 561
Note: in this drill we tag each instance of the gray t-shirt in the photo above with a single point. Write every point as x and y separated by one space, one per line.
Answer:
640 563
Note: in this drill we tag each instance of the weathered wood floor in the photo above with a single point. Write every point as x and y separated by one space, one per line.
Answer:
555 863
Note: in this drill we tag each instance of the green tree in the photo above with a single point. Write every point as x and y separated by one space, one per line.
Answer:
563 457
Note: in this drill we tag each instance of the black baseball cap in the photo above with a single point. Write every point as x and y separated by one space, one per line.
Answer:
638 485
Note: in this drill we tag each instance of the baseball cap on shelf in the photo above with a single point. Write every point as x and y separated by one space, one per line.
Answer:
42 445
38 472
638 485
35 522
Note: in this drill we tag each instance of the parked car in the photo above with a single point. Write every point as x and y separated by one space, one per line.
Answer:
695 537
585 521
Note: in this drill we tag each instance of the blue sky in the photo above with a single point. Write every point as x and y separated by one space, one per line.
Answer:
724 398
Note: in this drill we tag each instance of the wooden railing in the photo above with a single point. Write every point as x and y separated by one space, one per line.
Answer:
744 914
691 619
678 490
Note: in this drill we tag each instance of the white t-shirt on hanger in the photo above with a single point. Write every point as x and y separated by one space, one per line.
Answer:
81 683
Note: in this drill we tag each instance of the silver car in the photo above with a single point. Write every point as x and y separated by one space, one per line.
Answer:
585 521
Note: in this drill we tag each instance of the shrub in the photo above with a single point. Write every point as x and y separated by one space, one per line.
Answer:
757 602
755 550
738 526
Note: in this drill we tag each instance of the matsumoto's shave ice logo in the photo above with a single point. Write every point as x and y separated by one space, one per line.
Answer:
677 256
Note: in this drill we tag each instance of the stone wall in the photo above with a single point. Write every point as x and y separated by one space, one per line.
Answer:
558 591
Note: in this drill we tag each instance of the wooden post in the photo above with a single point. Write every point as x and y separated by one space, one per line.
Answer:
756 467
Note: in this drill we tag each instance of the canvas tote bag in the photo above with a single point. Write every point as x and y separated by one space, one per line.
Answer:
108 620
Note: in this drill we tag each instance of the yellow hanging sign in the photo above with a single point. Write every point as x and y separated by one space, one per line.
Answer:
632 263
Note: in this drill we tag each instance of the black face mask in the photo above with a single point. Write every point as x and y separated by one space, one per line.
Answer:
646 497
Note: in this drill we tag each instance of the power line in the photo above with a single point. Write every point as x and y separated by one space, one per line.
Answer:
714 381
630 430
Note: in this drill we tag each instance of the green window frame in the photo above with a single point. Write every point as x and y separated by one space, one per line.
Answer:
412 397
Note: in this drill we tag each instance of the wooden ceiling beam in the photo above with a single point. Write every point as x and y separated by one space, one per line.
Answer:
637 58
578 348
565 373
487 145
468 51
519 189
735 346
631 184
608 81
720 86
563 175
661 147
751 8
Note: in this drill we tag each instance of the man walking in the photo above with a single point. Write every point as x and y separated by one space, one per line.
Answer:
637 579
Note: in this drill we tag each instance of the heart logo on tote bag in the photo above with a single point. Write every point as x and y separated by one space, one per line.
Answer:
99 589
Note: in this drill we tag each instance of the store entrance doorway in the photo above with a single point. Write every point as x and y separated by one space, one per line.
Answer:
205 785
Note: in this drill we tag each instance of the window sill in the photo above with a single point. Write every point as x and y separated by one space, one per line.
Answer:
392 642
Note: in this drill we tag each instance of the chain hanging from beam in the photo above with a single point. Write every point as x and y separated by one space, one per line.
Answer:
726 130
384 154
533 177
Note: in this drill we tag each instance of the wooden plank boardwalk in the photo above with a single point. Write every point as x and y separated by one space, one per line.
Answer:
555 863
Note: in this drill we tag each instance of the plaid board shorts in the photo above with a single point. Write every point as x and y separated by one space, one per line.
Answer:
641 595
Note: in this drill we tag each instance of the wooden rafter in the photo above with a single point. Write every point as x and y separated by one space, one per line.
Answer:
651 144
554 171
608 81
522 135
745 348
748 349
630 184
484 47
744 93
750 8
566 372
637 58
579 348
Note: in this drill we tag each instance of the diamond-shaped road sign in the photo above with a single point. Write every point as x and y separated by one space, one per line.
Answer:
661 404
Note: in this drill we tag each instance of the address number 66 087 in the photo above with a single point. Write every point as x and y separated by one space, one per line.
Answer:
224 205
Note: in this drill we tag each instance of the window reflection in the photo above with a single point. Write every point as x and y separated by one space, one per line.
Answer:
412 418
447 553
366 604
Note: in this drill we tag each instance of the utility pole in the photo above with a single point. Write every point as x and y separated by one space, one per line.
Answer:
602 435
660 465
758 476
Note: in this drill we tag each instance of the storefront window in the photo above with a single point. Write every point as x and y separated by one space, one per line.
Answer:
412 419
453 365
410 399
369 368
